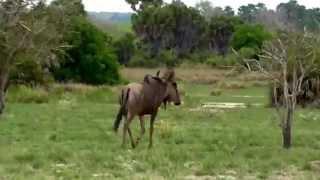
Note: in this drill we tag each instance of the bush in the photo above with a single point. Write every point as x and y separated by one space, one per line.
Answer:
29 72
250 36
140 59
165 58
216 92
91 59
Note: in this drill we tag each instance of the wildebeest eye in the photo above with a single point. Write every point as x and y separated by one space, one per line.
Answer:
175 84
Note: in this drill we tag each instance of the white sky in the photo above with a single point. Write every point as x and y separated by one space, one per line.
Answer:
122 6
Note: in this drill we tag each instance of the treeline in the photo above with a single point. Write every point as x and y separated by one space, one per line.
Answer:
44 42
174 33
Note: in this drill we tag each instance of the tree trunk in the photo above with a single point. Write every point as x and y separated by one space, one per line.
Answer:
286 128
4 75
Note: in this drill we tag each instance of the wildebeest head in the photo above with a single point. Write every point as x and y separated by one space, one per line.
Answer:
172 93
168 81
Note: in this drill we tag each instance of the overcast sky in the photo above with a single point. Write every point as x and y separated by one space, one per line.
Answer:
122 6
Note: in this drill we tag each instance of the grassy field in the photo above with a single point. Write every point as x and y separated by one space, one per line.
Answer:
66 133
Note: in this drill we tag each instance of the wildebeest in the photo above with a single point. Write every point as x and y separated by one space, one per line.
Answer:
145 99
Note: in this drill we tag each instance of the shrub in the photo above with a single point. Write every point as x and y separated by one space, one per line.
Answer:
216 92
29 72
140 59
222 61
250 36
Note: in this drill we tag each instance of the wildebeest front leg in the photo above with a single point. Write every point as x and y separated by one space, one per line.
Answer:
143 129
153 117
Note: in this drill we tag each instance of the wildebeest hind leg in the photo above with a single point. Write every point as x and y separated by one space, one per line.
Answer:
143 129
128 119
131 138
153 117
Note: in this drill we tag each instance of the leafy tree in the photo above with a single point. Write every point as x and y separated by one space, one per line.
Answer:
250 36
221 30
26 29
90 59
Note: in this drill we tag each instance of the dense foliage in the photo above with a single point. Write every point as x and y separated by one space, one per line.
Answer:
250 36
173 26
221 30
90 59
125 48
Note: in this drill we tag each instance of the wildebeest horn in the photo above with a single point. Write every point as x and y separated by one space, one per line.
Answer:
148 76
158 73
157 79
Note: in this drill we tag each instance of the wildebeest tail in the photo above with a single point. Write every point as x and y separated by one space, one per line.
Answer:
122 110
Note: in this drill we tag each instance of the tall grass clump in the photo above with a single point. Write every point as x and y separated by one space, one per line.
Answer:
27 94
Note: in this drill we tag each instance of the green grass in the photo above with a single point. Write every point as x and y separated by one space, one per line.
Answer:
69 136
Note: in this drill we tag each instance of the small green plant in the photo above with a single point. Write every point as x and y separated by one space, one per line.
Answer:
216 92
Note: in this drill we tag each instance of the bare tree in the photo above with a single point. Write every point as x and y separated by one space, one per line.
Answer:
26 27
287 61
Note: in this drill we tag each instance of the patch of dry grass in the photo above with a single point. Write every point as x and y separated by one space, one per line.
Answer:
74 87
227 78
195 75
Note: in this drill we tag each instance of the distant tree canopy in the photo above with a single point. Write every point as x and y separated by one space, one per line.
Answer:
299 17
173 26
221 30
249 12
125 48
74 7
140 5
177 30
288 16
207 10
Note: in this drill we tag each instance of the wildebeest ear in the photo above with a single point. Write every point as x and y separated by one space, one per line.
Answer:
158 73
